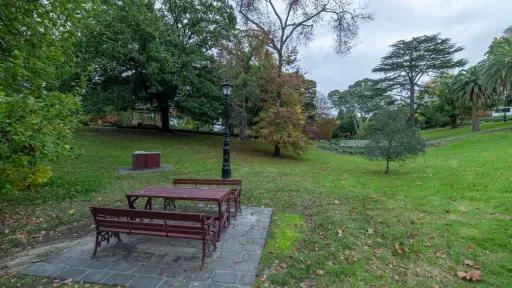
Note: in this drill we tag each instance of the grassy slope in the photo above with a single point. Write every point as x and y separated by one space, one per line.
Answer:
439 133
413 228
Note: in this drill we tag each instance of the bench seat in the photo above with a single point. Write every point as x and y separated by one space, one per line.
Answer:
110 222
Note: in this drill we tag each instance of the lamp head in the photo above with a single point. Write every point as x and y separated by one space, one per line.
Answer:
226 87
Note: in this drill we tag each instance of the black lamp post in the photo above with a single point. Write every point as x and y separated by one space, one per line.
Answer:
226 165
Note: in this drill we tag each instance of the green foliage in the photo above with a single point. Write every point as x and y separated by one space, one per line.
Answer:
410 61
391 137
470 87
160 55
498 70
348 125
38 109
310 107
360 100
440 104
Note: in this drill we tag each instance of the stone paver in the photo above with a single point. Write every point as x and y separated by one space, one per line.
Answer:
154 262
94 276
119 279
144 281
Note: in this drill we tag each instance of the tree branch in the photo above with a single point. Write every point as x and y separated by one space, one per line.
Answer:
260 28
304 21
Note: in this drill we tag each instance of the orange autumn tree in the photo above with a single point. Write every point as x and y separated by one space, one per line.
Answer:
282 121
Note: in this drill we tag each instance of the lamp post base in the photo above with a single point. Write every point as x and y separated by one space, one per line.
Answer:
226 171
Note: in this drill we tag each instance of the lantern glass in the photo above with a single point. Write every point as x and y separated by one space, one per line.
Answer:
226 87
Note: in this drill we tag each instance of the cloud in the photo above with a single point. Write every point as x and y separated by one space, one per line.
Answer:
470 23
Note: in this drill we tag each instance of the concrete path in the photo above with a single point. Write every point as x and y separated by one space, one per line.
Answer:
154 262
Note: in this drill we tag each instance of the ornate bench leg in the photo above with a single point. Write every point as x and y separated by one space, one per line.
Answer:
97 244
104 237
205 247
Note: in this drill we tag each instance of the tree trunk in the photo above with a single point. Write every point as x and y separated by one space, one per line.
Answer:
277 150
412 108
453 122
387 166
474 109
164 116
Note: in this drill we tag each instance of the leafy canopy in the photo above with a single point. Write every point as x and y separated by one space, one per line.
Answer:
161 55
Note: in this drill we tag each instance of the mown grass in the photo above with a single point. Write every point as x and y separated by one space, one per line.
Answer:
341 222
439 133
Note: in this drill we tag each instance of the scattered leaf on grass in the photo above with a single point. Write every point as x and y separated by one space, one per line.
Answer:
308 284
319 272
400 249
471 264
470 276
441 254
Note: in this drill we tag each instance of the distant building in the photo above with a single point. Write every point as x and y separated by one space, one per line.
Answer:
496 112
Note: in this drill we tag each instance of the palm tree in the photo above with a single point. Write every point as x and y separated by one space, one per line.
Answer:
469 86
498 71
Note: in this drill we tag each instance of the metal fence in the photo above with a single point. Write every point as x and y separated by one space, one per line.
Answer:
351 143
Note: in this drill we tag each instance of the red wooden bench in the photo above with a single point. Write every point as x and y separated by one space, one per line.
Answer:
235 194
110 222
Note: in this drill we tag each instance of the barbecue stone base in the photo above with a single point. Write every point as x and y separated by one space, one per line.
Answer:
154 262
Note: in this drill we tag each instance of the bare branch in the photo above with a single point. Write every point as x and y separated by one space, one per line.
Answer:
261 29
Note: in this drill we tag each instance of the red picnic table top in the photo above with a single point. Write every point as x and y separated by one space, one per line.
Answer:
183 193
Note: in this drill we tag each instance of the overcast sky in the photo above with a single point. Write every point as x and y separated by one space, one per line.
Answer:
470 23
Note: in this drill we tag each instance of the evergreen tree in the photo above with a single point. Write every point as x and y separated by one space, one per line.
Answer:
391 137
411 61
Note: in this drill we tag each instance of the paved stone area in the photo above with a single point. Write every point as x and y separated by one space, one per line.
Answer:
155 262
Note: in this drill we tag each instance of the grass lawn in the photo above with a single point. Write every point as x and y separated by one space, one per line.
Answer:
434 134
338 220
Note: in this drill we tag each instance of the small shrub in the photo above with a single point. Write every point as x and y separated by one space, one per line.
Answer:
392 138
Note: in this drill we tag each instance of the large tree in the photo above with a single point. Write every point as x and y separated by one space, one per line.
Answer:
411 61
160 54
286 24
361 99
470 87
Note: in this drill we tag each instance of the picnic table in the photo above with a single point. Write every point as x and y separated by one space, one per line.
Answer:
173 193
